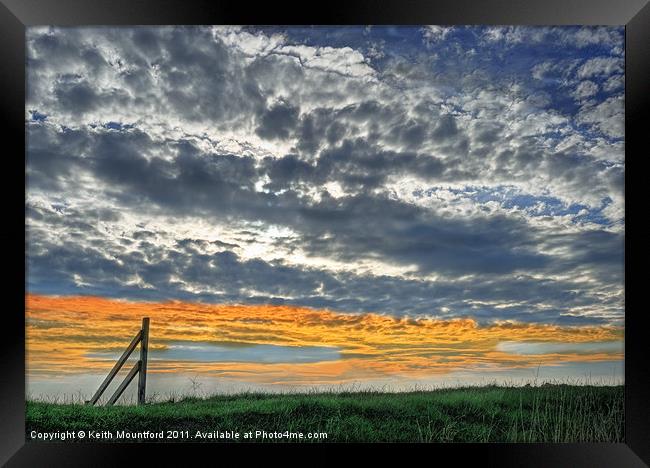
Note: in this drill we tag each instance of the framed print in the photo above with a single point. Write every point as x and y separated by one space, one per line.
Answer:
378 224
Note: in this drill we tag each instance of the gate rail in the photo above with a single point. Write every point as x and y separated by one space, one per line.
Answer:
140 367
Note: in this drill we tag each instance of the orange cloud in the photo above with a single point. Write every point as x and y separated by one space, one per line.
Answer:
63 331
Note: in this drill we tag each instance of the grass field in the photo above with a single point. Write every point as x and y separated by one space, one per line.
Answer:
548 413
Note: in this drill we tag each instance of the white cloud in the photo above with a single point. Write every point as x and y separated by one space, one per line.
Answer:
607 116
614 83
343 60
585 36
585 89
600 66
435 33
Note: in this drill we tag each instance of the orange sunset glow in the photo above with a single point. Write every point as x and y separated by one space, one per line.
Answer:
66 334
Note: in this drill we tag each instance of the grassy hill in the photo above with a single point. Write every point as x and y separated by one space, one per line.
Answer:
548 413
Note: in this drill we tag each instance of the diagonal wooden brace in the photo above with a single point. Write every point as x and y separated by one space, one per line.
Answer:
118 365
124 384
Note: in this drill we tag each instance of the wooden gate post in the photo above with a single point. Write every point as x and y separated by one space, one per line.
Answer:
140 368
142 378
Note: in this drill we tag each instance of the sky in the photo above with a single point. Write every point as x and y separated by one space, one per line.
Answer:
423 177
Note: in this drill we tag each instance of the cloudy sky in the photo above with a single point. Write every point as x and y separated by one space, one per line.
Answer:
426 173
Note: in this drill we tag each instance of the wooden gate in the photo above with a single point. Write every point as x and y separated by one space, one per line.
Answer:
139 368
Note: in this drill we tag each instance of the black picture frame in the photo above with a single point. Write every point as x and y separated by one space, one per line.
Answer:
16 15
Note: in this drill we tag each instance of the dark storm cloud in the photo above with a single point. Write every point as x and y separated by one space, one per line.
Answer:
409 235
76 97
359 226
192 73
602 252
136 120
318 127
445 128
356 164
367 225
198 72
107 268
278 121
182 70
53 155
127 160
327 128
